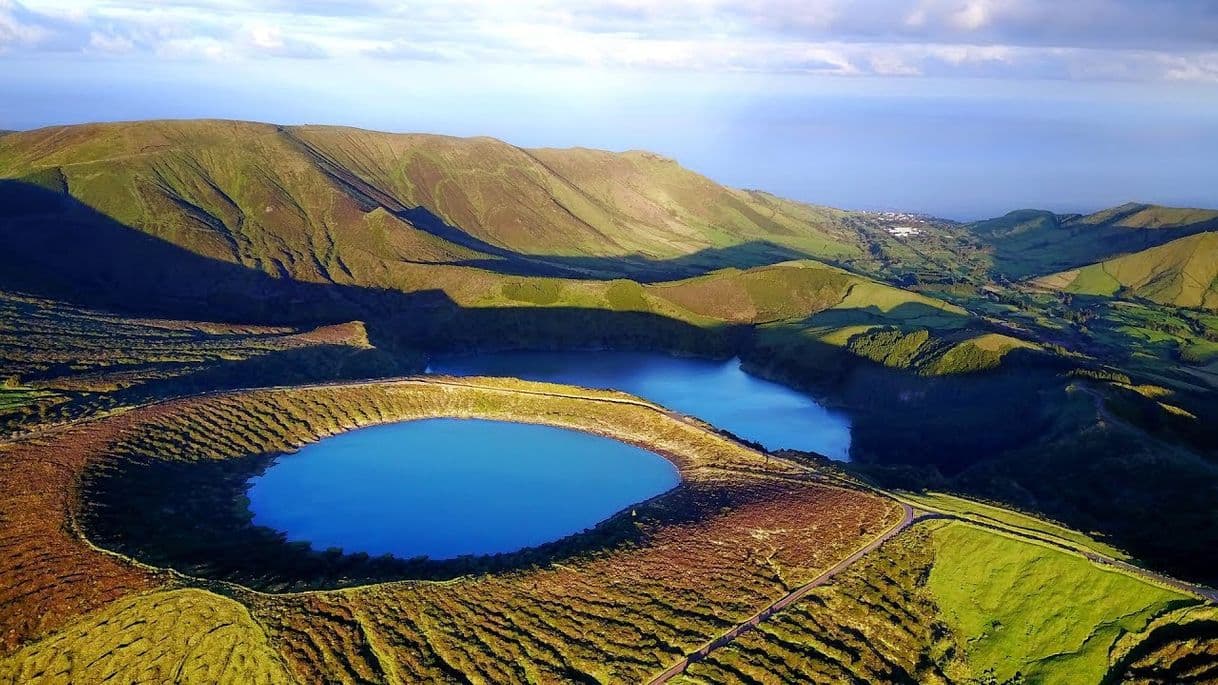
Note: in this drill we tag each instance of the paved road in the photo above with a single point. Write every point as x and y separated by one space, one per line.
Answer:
799 593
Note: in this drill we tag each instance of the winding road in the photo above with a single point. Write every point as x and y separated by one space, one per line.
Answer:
907 519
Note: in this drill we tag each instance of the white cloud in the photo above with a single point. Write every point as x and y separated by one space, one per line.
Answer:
110 43
266 37
974 15
14 32
892 65
1152 40
195 48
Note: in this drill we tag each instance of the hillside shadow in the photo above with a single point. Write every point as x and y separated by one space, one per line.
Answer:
915 314
298 366
1061 248
53 246
641 268
633 266
637 267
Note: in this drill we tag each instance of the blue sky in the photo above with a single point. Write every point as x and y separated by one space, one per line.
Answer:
962 108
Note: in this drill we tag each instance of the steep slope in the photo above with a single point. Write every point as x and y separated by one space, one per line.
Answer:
1034 242
1139 215
1183 273
567 202
323 204
305 225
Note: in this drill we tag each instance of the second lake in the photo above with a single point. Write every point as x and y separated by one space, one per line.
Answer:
718 392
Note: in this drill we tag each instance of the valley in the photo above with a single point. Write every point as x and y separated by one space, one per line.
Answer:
909 449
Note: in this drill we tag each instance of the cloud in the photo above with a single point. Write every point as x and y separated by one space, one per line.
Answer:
1146 40
18 27
407 51
109 43
270 40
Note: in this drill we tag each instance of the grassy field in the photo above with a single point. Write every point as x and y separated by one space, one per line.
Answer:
182 636
1020 608
952 603
1182 273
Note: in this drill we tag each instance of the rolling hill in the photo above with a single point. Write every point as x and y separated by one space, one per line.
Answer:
1033 242
180 301
1181 273
428 238
326 204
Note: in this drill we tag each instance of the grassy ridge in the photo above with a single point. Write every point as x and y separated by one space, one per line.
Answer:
1002 516
1182 273
328 203
1033 243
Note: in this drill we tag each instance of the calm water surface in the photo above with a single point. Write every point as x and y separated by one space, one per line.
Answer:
720 393
443 488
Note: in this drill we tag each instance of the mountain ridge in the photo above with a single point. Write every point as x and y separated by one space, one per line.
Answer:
1030 242
1181 273
533 202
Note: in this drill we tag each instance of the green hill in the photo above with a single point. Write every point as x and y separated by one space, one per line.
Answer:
1035 242
432 240
327 204
1182 273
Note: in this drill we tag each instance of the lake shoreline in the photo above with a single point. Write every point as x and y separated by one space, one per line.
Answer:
724 392
491 487
223 532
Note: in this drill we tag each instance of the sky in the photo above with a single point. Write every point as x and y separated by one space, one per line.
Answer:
958 108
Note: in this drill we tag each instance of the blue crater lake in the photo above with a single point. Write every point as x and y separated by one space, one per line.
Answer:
718 392
444 488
